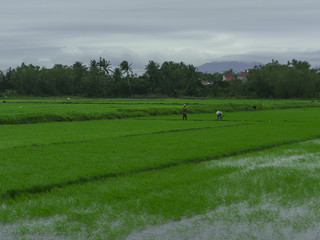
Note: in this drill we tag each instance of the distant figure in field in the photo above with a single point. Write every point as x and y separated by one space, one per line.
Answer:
184 112
68 99
219 115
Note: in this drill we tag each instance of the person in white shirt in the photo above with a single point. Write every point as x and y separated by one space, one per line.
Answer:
219 115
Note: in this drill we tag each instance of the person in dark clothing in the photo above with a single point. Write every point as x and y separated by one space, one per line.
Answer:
219 115
184 112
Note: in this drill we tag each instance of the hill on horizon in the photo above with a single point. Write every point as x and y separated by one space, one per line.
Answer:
220 67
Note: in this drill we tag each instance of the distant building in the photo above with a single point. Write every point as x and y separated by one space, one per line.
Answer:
227 77
243 76
206 83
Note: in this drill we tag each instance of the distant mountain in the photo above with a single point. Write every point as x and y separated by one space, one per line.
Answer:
220 67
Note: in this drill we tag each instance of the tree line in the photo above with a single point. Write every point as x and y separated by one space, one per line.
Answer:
170 79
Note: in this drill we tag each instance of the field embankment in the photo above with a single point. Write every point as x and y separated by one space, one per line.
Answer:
30 111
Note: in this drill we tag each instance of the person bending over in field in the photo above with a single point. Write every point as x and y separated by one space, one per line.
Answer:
184 112
219 115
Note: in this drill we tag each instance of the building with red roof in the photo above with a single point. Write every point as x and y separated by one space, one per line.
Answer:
242 76
227 77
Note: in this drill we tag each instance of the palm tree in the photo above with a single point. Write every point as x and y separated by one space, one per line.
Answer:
126 68
104 65
93 65
152 72
117 74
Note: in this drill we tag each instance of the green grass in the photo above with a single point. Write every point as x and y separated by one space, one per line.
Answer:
50 164
247 188
17 111
112 179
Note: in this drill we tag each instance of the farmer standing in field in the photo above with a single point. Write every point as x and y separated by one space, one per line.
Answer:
184 112
219 115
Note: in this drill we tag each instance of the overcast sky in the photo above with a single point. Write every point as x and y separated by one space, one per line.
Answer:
45 33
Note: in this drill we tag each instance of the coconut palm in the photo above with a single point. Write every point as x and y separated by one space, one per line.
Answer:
152 70
104 66
93 66
126 68
117 74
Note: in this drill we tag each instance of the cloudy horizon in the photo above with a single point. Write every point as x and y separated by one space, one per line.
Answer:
64 32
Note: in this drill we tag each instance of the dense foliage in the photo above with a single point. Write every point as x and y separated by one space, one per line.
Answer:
293 80
274 80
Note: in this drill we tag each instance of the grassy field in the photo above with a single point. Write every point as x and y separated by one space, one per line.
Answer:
252 175
17 111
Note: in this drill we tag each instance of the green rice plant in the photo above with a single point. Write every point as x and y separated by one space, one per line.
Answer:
98 158
86 131
120 205
106 179
18 111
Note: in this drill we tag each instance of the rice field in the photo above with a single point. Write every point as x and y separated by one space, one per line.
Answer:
251 175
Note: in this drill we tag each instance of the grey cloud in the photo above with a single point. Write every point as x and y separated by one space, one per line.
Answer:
194 32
